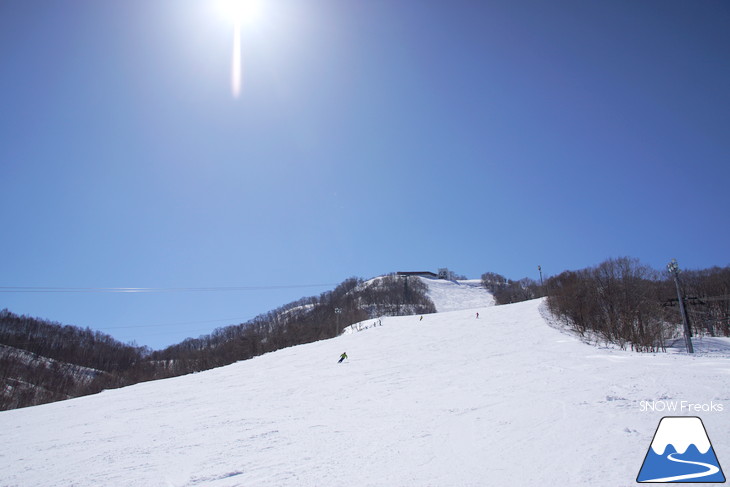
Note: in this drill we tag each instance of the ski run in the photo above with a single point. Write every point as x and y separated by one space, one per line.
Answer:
506 399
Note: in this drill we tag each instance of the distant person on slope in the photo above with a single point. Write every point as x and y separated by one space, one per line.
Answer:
477 315
342 357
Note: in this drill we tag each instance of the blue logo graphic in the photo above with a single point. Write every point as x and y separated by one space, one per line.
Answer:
681 452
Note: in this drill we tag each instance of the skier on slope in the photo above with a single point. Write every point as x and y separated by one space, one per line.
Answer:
342 357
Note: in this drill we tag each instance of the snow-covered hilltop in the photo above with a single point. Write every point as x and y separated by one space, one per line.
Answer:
449 400
680 432
457 295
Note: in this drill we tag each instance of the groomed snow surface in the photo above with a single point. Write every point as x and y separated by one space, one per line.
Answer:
457 295
447 401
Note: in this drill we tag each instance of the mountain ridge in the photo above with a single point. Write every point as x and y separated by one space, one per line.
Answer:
446 400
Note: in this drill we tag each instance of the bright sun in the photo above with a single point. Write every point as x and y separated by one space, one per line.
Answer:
240 12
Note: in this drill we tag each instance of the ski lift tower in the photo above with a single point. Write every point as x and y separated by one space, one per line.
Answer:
338 312
673 269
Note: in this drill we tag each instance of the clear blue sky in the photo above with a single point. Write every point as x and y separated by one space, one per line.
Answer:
369 137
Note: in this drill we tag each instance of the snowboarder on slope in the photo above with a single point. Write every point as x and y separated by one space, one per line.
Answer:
477 315
342 357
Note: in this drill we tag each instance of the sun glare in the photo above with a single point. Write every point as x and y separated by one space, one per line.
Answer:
240 12
236 63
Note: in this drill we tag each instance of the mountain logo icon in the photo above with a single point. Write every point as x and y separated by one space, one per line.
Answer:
681 452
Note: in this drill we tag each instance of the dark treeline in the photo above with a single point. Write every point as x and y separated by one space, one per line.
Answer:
43 361
27 378
506 291
628 303
620 301
625 302
395 296
71 344
304 321
709 313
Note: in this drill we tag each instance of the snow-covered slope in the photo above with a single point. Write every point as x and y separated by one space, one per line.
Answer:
457 295
447 401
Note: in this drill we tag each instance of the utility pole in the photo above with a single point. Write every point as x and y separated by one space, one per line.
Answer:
673 269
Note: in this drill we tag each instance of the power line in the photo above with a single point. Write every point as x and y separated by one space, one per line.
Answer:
158 325
132 290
